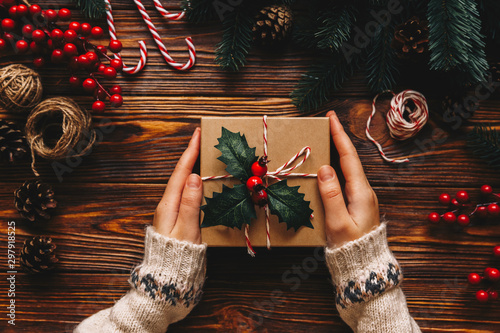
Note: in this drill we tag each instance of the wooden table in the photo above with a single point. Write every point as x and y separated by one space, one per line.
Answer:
106 202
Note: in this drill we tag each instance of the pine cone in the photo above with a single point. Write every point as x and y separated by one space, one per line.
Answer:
456 105
34 200
411 38
273 24
12 142
38 254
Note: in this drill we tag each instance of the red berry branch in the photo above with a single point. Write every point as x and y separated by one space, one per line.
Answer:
29 28
255 183
461 210
489 278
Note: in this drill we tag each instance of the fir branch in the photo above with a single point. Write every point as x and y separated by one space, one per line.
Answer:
381 64
485 143
490 10
236 41
335 28
455 40
199 11
93 9
315 87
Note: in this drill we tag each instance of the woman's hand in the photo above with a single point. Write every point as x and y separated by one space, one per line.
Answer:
346 221
178 213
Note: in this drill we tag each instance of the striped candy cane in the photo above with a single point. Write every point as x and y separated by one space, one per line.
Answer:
142 45
165 13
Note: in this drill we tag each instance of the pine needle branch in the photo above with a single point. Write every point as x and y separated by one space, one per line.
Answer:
199 11
231 52
490 10
381 64
485 143
93 9
315 87
335 28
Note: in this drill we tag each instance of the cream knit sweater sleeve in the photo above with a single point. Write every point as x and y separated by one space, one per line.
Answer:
165 288
367 276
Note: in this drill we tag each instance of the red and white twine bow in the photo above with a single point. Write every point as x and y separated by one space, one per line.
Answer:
282 171
399 127
142 45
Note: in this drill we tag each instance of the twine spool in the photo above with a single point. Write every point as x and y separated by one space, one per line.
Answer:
64 115
20 88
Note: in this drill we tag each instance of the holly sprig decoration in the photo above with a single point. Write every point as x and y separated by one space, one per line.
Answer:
235 206
489 280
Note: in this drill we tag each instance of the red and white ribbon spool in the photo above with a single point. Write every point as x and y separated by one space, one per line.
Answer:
399 127
163 49
282 171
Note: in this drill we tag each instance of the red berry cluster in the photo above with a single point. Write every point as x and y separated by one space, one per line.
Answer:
461 209
255 184
490 277
29 28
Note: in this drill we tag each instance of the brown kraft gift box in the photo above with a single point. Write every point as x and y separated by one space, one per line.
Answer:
286 137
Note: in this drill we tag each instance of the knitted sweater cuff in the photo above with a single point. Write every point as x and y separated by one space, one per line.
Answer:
363 268
172 270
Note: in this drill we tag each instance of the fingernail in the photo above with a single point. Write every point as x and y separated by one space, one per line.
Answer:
325 173
331 113
194 181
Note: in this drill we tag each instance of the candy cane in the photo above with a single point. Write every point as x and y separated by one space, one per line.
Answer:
165 13
142 45
159 43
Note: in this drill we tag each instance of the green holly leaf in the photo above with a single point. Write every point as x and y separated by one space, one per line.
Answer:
233 207
289 205
236 154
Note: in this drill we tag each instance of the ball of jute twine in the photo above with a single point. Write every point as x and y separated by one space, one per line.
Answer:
74 123
20 88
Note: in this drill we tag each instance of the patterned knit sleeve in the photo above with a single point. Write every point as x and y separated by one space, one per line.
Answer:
367 279
164 289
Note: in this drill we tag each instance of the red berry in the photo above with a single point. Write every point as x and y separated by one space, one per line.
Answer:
57 35
101 68
22 10
74 81
462 196
434 217
27 30
22 46
259 168
75 26
35 9
98 106
116 64
260 198
8 24
64 14
109 72
445 199
86 28
73 63
70 50
493 295
116 89
486 189
8 37
482 296
100 94
50 44
38 62
92 56
35 48
449 217
455 202
57 56
3 44
51 15
38 36
96 32
102 49
254 183
474 278
493 209
482 211
496 251
116 100
89 85
463 220
84 61
115 46
492 274
13 12
70 36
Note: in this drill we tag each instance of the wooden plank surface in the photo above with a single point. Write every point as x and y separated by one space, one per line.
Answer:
108 199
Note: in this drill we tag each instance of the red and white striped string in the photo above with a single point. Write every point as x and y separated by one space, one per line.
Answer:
399 127
163 50
282 171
